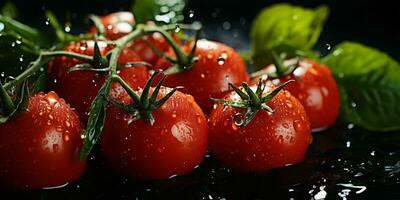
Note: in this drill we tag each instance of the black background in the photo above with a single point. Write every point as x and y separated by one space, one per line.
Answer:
374 23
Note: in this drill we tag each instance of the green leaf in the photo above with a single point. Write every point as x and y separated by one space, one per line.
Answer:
369 84
160 11
285 28
9 10
95 124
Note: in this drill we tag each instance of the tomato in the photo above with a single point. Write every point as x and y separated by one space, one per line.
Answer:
174 145
269 140
79 88
142 48
218 65
119 24
40 147
116 24
316 89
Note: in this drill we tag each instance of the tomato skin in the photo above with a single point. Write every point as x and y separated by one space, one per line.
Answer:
79 88
174 145
217 66
317 90
268 141
40 147
116 24
142 48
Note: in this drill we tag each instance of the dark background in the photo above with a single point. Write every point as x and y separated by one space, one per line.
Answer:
374 23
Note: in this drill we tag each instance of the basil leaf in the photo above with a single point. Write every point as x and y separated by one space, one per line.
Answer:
369 84
284 27
160 11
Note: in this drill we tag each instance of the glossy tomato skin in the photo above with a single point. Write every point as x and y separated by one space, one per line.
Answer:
40 147
79 88
116 24
217 66
142 48
317 90
119 24
174 145
269 141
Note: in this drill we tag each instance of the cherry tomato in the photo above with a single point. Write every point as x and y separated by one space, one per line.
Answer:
269 140
316 89
119 24
142 48
79 88
174 145
218 65
40 147
116 24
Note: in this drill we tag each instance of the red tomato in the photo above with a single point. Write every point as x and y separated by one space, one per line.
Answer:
316 89
217 66
119 24
40 147
174 145
116 24
269 141
79 88
142 48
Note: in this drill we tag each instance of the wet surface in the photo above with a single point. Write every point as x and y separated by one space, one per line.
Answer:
341 163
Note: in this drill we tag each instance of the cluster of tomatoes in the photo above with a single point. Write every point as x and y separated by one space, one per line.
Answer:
254 127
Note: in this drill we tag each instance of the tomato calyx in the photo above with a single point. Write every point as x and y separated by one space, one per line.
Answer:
252 101
183 62
143 105
282 68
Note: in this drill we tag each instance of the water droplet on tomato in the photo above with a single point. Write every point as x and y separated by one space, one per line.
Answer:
174 113
55 148
289 103
220 60
202 75
298 126
238 119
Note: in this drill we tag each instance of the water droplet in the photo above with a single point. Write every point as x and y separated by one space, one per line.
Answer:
298 126
238 119
177 28
55 148
328 46
226 25
47 22
191 13
353 104
67 29
227 77
350 126
202 75
66 137
21 58
220 60
285 125
289 103
348 143
174 113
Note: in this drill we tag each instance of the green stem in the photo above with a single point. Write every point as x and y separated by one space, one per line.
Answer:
36 65
128 89
279 66
8 104
22 29
67 53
